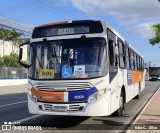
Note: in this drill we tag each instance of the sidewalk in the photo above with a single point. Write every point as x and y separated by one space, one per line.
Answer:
13 89
150 115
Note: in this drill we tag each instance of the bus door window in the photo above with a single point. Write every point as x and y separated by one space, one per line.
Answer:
112 58
122 57
111 53
113 69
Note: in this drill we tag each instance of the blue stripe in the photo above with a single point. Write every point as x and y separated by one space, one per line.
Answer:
79 96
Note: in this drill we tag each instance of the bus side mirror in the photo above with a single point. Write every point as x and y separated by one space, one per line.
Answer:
20 53
23 54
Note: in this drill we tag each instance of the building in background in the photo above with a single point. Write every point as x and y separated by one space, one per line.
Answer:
9 47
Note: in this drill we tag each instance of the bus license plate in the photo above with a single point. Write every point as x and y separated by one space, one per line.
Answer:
59 108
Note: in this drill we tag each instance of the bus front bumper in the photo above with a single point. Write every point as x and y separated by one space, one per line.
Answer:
98 108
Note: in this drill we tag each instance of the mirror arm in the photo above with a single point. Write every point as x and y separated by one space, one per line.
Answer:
25 65
22 44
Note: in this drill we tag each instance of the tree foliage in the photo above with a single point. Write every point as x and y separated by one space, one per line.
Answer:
10 60
14 36
156 39
5 34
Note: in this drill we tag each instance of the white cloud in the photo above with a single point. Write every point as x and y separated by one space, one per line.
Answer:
144 30
125 11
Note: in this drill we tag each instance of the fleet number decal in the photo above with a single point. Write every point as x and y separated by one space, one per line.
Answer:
47 73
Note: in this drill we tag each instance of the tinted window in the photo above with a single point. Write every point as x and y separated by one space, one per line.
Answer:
128 63
121 54
111 53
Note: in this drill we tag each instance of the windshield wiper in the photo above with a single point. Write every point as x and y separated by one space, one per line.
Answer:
54 55
35 55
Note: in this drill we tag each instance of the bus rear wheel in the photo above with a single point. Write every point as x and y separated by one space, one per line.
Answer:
119 111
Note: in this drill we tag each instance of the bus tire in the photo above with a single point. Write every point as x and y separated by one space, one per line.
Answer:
139 89
119 111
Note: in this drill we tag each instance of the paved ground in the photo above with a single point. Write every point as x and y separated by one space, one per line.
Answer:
13 107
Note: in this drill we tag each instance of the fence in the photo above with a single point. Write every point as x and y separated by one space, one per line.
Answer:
13 73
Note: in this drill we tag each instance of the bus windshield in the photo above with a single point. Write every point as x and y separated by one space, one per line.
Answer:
154 71
68 59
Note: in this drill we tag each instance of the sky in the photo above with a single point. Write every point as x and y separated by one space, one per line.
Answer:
132 19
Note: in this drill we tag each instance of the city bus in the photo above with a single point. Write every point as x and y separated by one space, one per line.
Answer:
154 73
81 68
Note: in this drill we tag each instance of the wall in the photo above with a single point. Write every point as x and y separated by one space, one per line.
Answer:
10 82
8 46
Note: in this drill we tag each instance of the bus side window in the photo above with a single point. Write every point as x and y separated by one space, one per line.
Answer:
130 61
127 58
122 56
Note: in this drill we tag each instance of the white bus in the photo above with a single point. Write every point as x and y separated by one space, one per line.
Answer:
81 68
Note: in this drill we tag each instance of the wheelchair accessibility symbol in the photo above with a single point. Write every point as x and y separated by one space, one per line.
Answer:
66 72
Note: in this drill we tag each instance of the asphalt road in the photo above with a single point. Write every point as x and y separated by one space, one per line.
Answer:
13 107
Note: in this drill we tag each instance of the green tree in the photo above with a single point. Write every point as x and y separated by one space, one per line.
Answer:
1 61
11 60
16 38
156 39
4 35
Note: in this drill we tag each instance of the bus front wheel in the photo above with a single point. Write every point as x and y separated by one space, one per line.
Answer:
119 111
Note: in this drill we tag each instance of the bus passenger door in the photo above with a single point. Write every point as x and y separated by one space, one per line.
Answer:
113 78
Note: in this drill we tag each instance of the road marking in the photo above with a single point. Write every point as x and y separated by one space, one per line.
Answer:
28 118
12 104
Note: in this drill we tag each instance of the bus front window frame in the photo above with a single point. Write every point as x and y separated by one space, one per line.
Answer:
96 49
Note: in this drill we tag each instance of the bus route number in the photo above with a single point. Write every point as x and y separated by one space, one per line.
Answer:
65 31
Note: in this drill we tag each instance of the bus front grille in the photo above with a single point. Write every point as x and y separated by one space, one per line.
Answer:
70 107
62 86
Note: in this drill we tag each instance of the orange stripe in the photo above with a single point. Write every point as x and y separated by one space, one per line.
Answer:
137 77
48 96
51 24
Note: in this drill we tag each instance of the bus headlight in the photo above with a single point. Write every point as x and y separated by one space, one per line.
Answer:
93 97
32 96
101 92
